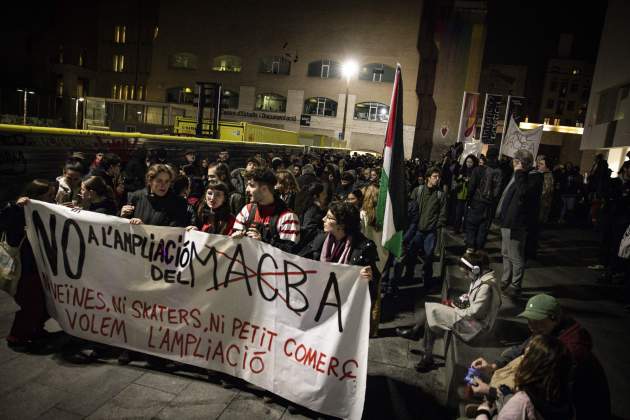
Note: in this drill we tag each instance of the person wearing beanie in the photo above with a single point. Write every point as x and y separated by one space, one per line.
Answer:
517 213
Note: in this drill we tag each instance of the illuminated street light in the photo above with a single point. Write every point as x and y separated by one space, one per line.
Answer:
349 69
25 101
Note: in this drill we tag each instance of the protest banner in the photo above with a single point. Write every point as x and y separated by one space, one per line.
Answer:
296 327
468 117
516 139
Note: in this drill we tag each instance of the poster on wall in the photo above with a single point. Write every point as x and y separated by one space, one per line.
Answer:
468 117
490 119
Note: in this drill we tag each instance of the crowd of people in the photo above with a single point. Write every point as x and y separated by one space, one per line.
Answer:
323 206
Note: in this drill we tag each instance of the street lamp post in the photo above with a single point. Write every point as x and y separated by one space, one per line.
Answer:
348 70
76 111
25 101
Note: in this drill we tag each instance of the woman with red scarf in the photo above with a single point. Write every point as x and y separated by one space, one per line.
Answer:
213 211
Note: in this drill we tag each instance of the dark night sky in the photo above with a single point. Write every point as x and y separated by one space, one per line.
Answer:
526 32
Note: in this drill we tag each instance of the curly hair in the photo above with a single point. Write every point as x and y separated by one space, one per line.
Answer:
347 216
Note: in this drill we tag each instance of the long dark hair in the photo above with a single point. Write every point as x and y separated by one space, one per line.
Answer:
217 218
99 186
347 215
544 372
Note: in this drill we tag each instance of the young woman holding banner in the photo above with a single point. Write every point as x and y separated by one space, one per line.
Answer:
27 332
213 212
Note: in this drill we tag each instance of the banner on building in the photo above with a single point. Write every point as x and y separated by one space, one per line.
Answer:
516 139
515 108
468 117
489 120
296 327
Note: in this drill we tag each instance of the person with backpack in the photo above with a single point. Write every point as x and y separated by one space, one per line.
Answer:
484 190
427 214
267 218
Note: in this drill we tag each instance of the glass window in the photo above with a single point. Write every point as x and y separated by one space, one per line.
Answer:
140 93
325 69
550 104
60 55
179 95
320 106
371 111
118 64
115 91
376 72
135 113
271 102
156 32
229 99
120 34
183 60
81 58
154 115
274 65
229 63
59 89
571 106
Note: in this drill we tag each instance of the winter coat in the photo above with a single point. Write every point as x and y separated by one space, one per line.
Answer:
169 210
520 203
484 297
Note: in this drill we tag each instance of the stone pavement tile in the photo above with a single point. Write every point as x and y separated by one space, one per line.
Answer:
134 401
29 401
389 350
250 406
6 353
94 388
199 400
58 414
166 382
23 370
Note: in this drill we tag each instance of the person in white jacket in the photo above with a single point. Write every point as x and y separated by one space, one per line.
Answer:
467 316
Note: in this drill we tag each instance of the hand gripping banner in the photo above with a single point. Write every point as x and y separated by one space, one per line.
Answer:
296 327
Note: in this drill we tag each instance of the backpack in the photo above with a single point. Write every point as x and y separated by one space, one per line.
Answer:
490 184
267 232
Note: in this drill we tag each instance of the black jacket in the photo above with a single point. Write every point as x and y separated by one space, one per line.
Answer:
311 223
106 206
169 210
363 251
13 222
520 203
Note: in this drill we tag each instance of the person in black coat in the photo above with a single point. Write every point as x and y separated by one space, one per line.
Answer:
157 204
27 332
517 212
342 242
97 196
311 220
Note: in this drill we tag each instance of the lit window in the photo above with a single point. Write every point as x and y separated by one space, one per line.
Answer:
114 91
274 65
59 89
81 59
131 92
229 99
119 63
183 60
125 92
60 55
140 92
320 106
377 72
324 69
371 111
271 102
229 63
156 31
120 34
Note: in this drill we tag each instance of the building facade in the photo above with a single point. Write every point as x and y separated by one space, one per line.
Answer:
607 123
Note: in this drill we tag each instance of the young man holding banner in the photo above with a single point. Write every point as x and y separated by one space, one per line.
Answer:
267 218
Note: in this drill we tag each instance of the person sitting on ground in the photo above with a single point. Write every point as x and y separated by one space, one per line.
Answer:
467 316
213 213
542 386
590 386
267 217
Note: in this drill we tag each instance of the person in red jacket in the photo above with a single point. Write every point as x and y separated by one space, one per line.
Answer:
590 392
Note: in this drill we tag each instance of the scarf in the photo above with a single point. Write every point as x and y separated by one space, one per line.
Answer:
335 252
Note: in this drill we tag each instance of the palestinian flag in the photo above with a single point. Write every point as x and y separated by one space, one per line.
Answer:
391 211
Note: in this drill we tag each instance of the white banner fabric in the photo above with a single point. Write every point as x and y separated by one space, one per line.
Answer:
296 327
516 139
